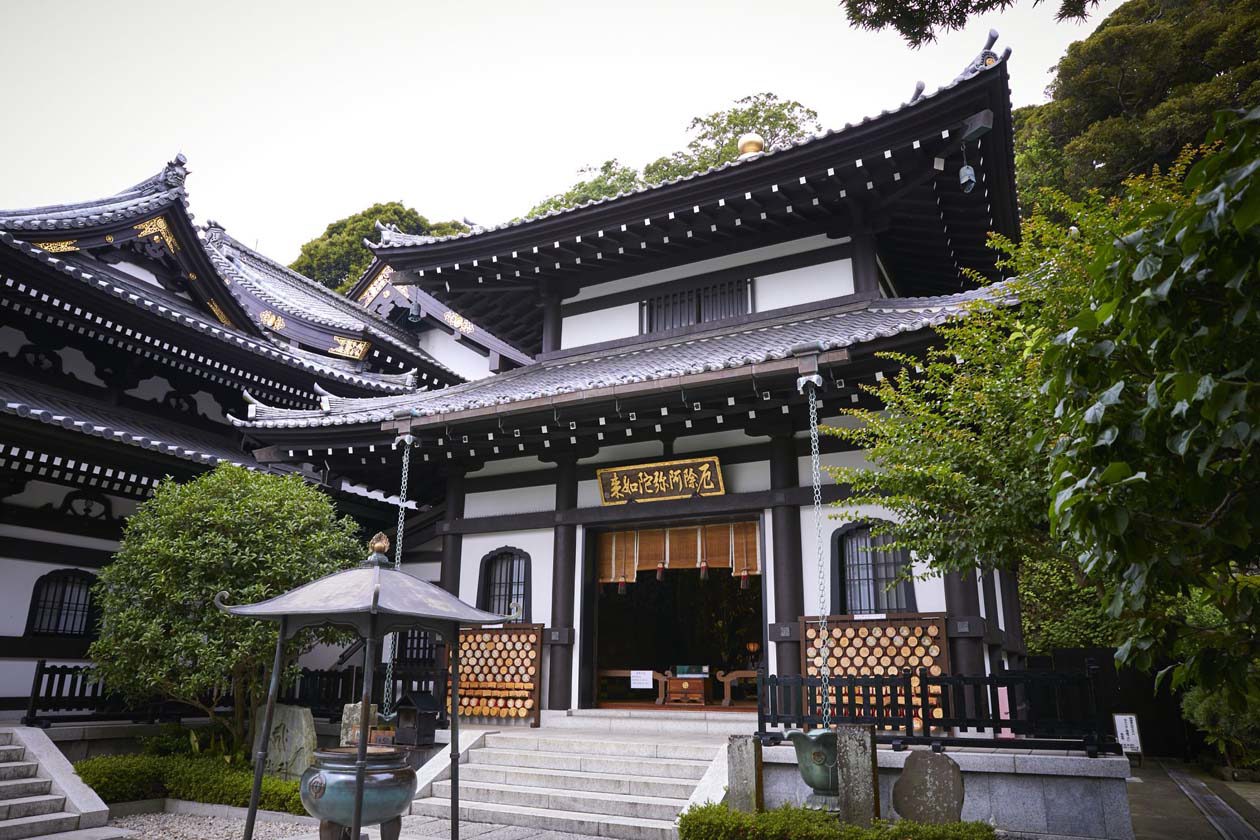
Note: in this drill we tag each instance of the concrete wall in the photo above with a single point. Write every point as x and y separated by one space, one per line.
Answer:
601 325
1050 795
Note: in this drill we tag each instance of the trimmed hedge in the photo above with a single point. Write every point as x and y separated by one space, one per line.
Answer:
124 778
718 822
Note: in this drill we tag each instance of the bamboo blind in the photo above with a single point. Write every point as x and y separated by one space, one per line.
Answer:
620 555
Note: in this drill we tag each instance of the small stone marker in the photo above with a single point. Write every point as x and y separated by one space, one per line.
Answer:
858 774
929 789
743 774
350 723
291 748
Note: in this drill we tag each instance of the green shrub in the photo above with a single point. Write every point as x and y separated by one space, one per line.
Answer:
172 739
718 822
123 778
1234 732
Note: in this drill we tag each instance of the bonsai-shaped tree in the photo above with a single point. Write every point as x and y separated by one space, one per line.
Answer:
251 534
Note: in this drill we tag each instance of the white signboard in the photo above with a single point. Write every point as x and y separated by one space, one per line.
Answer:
640 679
1127 733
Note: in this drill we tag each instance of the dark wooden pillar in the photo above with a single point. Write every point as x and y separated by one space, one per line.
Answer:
865 268
789 590
966 627
551 322
1013 618
453 544
560 636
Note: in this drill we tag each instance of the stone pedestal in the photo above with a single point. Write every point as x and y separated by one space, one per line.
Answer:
743 774
291 747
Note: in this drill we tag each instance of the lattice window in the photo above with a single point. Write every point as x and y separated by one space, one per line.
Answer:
416 647
505 581
61 604
867 574
697 305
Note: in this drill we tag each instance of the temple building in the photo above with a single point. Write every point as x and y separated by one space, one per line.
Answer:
128 338
637 488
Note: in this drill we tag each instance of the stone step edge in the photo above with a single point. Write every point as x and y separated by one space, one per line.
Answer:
35 819
577 794
687 762
571 816
575 774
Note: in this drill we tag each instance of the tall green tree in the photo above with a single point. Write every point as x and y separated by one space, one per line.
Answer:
714 136
612 178
1156 383
1144 85
713 141
337 257
251 534
963 463
920 21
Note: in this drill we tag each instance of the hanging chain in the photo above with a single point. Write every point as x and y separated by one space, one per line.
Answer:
387 702
824 635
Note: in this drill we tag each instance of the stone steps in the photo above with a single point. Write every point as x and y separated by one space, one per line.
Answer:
16 788
31 806
697 723
17 770
617 780
572 822
569 780
619 805
39 825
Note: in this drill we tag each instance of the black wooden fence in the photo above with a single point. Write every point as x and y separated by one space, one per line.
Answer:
1012 709
71 693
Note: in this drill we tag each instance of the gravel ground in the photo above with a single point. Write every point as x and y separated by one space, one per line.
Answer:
186 827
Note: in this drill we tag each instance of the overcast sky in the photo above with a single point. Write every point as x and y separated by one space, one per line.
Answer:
294 113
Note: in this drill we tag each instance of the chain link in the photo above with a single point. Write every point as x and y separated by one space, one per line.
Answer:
824 635
387 702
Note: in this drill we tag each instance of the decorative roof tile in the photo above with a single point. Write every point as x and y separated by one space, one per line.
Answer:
145 198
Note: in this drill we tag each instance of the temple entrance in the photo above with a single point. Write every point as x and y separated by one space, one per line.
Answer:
678 617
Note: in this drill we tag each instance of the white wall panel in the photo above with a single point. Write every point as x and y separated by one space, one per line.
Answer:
509 501
803 285
460 358
601 325
538 544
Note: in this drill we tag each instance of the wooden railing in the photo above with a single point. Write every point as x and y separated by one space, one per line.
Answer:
1014 709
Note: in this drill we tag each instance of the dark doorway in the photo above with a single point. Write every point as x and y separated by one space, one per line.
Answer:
681 620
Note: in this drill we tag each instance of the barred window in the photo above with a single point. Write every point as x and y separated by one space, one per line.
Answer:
866 571
61 604
504 582
697 305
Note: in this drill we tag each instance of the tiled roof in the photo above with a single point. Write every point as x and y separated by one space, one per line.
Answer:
733 347
126 288
289 291
391 237
152 194
88 416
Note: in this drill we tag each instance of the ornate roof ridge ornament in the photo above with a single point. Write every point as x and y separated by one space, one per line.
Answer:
985 59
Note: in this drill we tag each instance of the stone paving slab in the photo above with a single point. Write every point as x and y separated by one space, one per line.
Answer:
430 828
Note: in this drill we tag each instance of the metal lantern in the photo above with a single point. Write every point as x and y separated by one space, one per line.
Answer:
417 719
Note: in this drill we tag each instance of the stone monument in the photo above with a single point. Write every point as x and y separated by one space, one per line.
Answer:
929 789
839 765
350 723
291 748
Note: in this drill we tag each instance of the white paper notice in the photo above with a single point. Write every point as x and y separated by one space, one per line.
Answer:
1127 733
640 679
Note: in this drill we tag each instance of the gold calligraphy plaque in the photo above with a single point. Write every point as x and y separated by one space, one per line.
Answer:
661 482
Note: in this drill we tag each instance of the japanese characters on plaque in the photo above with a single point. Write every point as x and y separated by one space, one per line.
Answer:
660 482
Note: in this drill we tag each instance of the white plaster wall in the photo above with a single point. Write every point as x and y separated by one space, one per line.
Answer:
153 388
56 538
713 440
600 325
77 364
515 500
803 285
746 478
538 544
625 452
139 272
680 272
460 358
11 340
510 465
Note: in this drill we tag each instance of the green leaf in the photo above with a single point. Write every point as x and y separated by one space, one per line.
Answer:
1115 471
